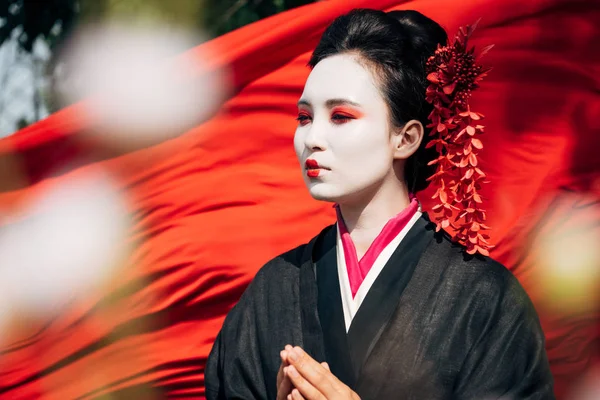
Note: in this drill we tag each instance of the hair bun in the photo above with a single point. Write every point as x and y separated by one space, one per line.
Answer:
423 33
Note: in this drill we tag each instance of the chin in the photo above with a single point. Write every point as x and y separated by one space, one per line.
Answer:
323 193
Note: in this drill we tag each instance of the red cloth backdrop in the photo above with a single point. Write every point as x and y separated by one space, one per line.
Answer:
214 204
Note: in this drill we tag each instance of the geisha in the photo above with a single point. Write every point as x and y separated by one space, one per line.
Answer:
380 305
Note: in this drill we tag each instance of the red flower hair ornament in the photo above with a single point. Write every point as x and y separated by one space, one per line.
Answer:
453 73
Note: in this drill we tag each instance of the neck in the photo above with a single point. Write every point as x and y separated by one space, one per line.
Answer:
365 219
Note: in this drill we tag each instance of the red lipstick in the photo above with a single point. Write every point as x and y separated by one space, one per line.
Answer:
313 169
312 164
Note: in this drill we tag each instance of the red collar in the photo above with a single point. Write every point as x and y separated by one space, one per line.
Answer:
357 270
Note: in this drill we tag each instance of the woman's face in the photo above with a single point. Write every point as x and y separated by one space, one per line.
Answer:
343 137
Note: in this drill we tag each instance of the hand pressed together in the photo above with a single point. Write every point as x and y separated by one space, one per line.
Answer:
301 377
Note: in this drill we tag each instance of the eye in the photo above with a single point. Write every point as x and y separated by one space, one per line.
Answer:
341 118
303 118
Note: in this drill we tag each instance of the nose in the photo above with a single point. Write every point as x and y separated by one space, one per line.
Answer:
314 139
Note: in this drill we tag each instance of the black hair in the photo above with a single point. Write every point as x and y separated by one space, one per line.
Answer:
396 45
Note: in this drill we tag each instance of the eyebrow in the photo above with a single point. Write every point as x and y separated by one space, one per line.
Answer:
330 103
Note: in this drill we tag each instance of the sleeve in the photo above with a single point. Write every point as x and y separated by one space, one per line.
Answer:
213 373
508 360
234 369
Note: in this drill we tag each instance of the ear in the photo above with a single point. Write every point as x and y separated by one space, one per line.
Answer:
406 140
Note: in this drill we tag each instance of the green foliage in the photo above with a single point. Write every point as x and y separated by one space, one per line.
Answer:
222 16
53 20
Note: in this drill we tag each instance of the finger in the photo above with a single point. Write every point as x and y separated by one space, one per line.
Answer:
313 372
306 389
285 387
283 355
296 395
326 366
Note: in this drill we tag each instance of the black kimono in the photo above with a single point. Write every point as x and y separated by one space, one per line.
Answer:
436 324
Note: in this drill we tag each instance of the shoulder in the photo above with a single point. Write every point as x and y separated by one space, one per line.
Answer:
287 265
276 282
486 280
475 271
484 297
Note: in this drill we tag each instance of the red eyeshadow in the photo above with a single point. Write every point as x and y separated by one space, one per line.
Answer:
347 111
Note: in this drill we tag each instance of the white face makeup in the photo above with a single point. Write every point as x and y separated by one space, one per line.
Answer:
344 128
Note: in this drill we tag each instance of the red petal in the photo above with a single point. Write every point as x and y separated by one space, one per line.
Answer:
441 127
477 143
448 89
469 173
473 159
483 251
443 197
470 130
433 77
484 51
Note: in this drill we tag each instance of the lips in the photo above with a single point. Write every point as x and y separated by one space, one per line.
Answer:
313 169
312 164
